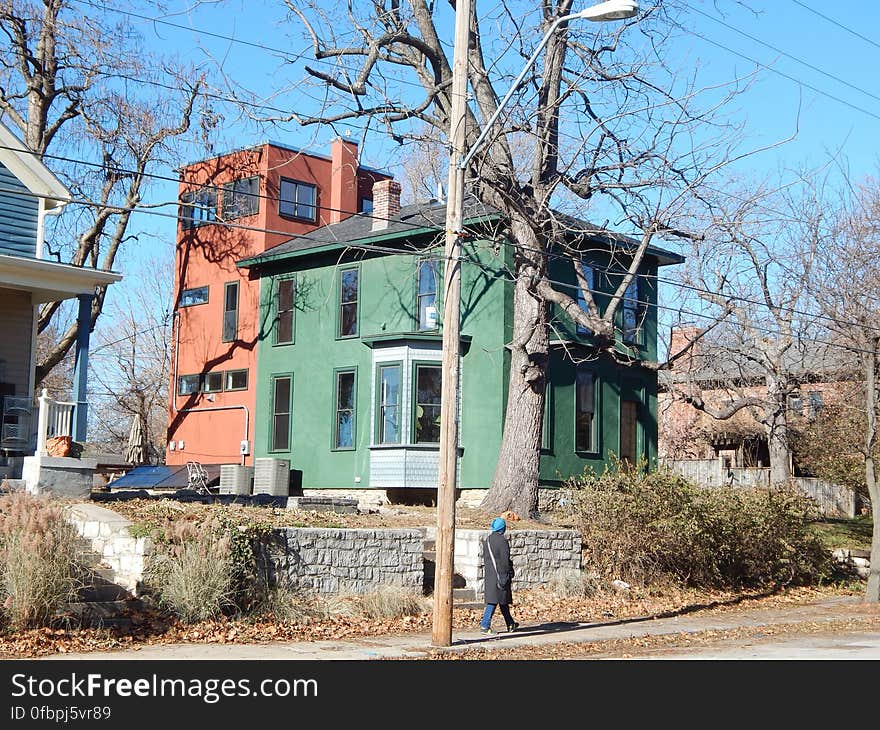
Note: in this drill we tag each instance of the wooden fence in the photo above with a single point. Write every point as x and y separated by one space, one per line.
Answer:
833 500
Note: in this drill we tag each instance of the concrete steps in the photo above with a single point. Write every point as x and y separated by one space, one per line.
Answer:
463 597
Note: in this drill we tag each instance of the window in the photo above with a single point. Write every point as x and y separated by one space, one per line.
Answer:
581 298
795 403
633 312
814 403
236 380
188 384
427 294
366 205
348 302
197 208
427 403
241 198
213 382
230 311
546 440
585 408
388 421
297 199
345 410
281 392
192 297
284 297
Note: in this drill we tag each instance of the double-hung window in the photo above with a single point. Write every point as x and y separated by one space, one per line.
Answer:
297 199
388 405
344 428
282 389
284 299
585 411
230 311
241 198
348 302
633 312
427 404
427 294
590 283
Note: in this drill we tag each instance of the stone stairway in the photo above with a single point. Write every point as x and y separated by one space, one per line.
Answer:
113 561
462 596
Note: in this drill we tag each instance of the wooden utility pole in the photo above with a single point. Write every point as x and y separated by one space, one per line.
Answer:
448 474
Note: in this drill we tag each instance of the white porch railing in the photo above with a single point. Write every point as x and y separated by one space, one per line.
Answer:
55 418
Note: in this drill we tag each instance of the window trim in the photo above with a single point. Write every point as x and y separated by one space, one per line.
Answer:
414 398
274 378
340 303
226 311
294 216
377 430
594 436
276 312
641 310
227 373
189 200
546 434
579 329
334 436
418 308
181 305
232 213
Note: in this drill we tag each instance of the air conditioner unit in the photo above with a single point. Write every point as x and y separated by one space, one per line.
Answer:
236 479
272 476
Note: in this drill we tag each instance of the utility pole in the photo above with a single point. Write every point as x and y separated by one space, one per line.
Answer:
448 469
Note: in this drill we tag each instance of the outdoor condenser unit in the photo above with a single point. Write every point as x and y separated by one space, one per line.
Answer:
272 476
236 479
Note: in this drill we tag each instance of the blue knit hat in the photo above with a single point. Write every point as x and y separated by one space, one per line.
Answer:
499 525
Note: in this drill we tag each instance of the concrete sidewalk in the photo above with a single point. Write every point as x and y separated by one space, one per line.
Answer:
417 645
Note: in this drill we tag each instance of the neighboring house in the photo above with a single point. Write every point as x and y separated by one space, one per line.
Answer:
739 441
262 195
348 352
28 193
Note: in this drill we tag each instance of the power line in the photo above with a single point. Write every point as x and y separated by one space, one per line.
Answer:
839 25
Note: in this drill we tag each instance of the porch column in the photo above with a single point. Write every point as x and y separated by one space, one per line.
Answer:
80 371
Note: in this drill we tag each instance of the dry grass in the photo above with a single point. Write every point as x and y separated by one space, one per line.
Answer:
570 583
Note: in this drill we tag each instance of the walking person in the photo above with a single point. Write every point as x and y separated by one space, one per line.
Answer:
498 577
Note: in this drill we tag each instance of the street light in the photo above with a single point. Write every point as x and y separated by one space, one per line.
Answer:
449 401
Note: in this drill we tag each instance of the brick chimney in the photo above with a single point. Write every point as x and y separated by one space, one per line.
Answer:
386 202
679 337
343 179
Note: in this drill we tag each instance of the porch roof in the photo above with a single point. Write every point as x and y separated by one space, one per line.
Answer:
48 281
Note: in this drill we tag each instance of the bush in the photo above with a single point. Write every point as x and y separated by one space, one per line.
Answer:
39 568
202 569
645 528
571 583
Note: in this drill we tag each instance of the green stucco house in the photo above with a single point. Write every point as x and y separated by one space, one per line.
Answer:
349 351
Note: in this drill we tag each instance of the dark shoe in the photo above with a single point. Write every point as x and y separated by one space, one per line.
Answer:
487 632
512 627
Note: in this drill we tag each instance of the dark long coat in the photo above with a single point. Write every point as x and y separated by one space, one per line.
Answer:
497 543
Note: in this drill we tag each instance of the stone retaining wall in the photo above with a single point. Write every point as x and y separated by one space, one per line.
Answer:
348 560
536 555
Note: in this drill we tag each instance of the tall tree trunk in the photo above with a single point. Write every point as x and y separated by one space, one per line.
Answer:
776 422
515 483
872 592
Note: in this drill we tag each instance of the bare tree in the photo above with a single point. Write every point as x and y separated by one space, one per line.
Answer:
101 112
131 365
601 126
845 285
757 268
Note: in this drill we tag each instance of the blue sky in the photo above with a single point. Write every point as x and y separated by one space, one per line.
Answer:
812 77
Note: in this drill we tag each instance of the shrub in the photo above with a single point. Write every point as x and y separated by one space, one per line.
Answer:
201 569
289 604
645 528
39 568
571 583
389 601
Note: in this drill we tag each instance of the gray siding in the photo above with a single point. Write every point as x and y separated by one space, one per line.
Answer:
19 213
16 329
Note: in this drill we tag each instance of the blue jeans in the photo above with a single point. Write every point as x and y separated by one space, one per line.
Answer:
490 611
